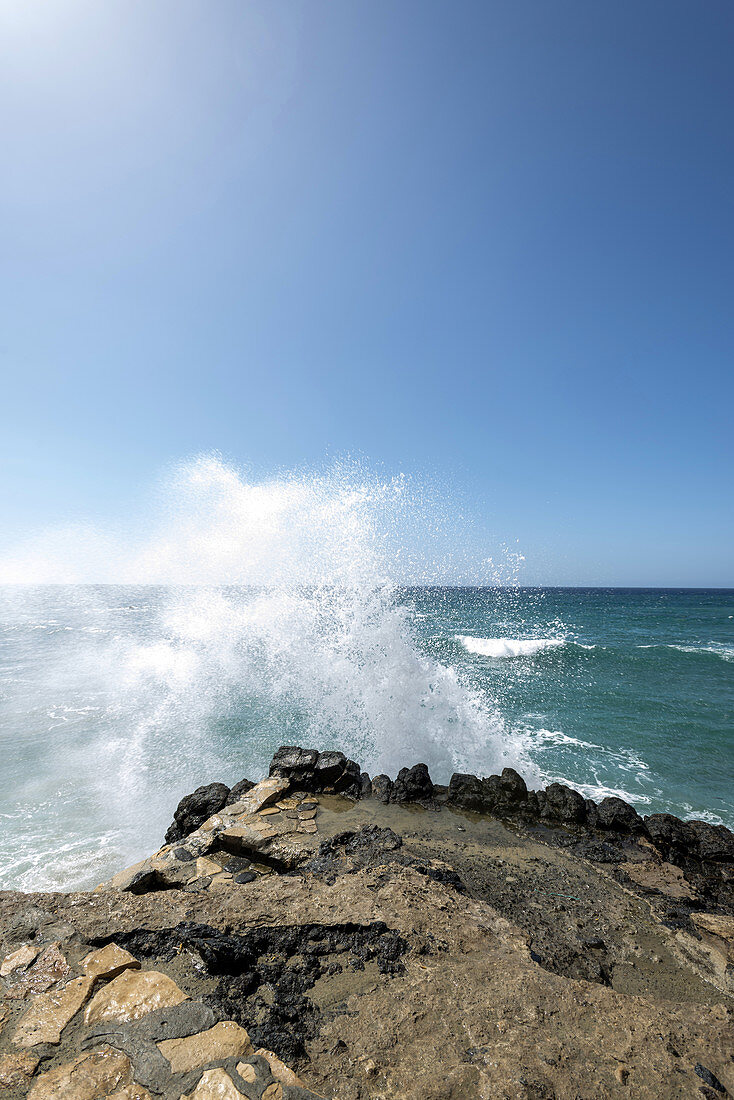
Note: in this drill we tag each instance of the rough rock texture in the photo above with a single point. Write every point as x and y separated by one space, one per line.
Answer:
318 772
508 943
413 785
193 810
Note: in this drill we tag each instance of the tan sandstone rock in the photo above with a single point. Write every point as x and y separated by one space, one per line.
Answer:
206 867
48 970
215 1084
279 1070
224 1040
18 960
102 1073
108 962
50 1013
17 1069
4 1010
133 994
247 1072
273 1092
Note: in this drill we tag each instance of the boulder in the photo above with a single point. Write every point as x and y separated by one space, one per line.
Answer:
382 788
413 785
193 810
711 843
504 794
668 834
317 772
563 804
465 792
614 813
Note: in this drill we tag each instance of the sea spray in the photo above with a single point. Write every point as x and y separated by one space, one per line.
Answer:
257 614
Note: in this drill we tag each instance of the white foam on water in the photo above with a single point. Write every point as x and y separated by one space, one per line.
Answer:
717 649
508 647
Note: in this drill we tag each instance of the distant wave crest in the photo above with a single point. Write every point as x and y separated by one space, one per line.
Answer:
716 649
508 647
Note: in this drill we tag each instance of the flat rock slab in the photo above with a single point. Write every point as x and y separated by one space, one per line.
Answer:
105 1072
108 962
18 960
49 968
224 1040
50 1013
133 994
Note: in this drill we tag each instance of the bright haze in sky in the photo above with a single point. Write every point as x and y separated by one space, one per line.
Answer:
485 243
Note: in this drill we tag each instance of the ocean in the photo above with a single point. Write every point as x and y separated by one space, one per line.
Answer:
115 700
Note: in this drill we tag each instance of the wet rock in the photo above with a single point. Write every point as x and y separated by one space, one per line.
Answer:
382 788
712 843
193 810
239 791
504 794
592 813
224 1040
317 772
49 968
668 834
563 804
50 1013
108 962
613 813
19 959
105 1072
365 784
133 994
465 791
413 785
17 1069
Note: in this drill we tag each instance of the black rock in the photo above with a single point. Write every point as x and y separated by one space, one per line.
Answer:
366 784
563 804
668 834
709 1078
465 791
382 788
714 843
413 785
614 813
592 813
239 791
504 794
245 877
317 772
193 810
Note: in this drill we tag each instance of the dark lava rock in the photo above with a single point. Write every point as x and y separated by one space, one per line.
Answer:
317 772
714 843
239 791
193 810
465 791
504 793
709 1078
263 975
592 813
353 849
413 785
563 804
668 834
366 784
614 813
382 788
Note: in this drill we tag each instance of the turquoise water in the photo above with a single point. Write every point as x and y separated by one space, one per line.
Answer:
115 700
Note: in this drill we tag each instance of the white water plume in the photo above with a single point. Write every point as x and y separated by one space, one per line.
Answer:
277 619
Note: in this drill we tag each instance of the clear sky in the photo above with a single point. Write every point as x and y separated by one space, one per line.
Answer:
488 241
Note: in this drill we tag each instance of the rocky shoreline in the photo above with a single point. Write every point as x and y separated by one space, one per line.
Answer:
324 933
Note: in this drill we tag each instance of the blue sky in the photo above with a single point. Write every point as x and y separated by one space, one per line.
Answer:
490 243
